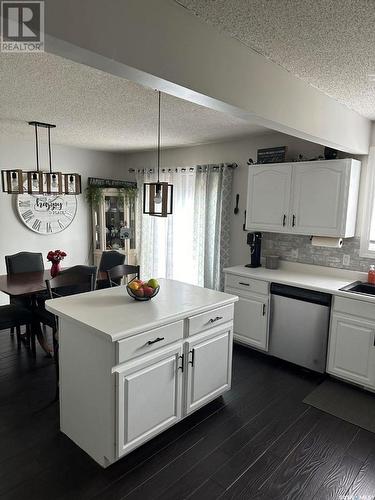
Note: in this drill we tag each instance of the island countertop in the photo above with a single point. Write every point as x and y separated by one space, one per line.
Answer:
113 313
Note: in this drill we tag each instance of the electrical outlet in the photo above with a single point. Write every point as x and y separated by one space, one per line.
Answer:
346 260
294 253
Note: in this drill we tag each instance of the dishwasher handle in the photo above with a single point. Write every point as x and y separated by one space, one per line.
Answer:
303 294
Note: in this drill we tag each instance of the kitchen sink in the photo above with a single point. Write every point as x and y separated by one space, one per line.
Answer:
359 287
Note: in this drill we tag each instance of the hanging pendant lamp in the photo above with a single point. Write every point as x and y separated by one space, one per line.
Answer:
158 196
38 182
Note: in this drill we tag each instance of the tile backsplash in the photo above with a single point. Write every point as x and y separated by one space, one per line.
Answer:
295 248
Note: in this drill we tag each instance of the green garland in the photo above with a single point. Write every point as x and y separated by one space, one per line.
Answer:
129 193
94 194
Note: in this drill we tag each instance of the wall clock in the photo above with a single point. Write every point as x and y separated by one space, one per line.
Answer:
46 214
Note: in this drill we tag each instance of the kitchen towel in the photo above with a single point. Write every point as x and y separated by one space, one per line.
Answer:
323 241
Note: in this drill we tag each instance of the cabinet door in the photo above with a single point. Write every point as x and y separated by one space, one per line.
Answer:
318 199
351 349
149 398
268 197
251 321
209 368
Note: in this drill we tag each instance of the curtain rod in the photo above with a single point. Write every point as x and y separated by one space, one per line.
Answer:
183 169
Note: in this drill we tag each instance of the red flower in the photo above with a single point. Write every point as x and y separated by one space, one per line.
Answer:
56 255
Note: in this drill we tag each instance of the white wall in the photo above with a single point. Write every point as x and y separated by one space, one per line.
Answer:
233 151
76 239
159 44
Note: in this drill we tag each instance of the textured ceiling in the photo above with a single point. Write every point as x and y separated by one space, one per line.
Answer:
96 110
328 43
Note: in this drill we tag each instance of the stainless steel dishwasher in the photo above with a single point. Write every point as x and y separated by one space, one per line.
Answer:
299 325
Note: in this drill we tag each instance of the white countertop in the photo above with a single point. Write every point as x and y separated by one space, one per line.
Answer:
115 314
323 279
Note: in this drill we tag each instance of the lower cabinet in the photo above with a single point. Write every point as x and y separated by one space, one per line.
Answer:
250 324
149 397
155 391
209 368
352 349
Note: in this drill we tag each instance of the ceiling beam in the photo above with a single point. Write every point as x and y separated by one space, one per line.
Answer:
159 44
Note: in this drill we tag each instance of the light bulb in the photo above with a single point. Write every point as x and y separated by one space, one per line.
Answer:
158 197
35 182
14 182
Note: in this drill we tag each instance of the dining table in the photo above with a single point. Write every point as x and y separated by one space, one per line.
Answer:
31 284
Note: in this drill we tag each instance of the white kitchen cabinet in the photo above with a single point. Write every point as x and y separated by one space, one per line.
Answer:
251 321
209 367
319 199
351 349
251 315
149 398
312 198
269 197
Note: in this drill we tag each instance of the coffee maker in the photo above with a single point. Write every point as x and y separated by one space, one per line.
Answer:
254 240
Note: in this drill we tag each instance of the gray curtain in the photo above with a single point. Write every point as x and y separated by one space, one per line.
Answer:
213 205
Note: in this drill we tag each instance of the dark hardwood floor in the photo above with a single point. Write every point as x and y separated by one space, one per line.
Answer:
259 441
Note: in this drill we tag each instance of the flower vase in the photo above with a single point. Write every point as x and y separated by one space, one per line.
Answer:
55 269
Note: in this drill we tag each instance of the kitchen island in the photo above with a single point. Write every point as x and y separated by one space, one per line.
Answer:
129 370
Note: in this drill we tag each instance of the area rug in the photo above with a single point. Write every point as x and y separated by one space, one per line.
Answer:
346 402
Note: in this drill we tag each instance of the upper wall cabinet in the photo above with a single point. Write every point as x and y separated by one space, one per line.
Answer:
268 197
313 198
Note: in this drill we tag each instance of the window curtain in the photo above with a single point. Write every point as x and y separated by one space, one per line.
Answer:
192 245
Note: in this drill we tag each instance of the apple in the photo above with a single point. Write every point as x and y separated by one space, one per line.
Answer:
153 283
134 285
139 293
148 291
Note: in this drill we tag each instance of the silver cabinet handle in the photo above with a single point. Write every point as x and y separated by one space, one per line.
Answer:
264 310
284 219
212 320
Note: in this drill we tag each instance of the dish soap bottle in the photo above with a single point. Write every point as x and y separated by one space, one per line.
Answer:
371 275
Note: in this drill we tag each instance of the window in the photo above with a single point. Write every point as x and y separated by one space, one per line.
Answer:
192 245
368 224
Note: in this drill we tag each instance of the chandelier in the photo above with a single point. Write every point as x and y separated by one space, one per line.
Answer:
158 196
38 182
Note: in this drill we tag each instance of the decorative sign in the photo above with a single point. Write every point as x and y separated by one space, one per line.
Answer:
46 214
271 155
110 183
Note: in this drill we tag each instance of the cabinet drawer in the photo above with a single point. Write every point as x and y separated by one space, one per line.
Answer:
355 307
247 284
206 320
147 342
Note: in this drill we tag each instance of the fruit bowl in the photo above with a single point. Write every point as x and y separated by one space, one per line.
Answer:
141 291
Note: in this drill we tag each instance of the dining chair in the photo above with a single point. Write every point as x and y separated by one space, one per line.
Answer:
117 273
108 260
13 316
23 262
76 279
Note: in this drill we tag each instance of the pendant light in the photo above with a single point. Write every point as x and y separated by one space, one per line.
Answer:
158 196
38 182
